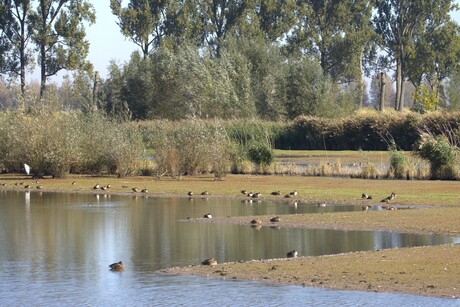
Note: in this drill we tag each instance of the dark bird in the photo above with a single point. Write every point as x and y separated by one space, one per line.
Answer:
190 194
292 254
256 221
209 261
364 196
321 205
117 266
74 183
39 187
276 193
207 216
135 190
244 192
293 193
389 198
275 219
97 186
144 191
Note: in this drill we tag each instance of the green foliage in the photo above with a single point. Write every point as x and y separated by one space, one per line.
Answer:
424 99
442 155
261 154
399 164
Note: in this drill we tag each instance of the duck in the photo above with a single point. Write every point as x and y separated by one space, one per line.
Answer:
135 190
256 195
292 254
389 198
364 196
321 205
293 193
366 207
244 192
276 193
117 266
190 193
256 221
207 216
39 187
144 191
97 186
210 261
275 219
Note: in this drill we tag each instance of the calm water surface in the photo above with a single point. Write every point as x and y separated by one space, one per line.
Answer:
55 249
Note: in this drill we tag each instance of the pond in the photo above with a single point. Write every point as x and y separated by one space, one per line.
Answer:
56 248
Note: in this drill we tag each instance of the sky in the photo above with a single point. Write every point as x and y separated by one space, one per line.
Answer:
107 43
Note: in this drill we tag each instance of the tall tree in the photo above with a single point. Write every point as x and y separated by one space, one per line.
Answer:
59 35
142 21
399 23
14 38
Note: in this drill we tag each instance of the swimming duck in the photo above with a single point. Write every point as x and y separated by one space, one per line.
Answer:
292 254
321 205
209 261
117 266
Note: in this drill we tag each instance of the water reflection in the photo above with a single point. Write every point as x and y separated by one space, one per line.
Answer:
66 241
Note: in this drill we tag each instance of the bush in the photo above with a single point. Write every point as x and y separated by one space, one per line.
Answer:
399 164
441 154
262 155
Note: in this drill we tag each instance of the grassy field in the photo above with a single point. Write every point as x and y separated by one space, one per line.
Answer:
426 271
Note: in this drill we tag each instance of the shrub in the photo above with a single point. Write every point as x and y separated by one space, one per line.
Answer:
399 164
441 154
261 154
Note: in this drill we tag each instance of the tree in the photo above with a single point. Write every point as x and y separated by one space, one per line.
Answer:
399 23
436 55
14 38
59 36
375 90
142 21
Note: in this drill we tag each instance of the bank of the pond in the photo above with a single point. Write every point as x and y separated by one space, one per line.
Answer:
430 271
426 271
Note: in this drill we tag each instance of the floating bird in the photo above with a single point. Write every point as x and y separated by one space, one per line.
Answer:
256 221
275 219
210 261
392 208
117 266
207 216
27 169
387 199
321 205
292 254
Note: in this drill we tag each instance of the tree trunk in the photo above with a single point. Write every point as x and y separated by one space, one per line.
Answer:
42 69
401 98
95 90
398 83
361 79
382 92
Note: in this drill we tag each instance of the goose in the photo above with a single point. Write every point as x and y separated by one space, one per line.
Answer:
117 266
387 199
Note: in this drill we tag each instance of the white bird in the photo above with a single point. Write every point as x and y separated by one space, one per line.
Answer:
27 169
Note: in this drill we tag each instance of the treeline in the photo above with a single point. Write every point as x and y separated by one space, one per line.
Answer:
263 59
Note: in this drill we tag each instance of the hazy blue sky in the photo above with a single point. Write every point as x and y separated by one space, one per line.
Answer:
107 43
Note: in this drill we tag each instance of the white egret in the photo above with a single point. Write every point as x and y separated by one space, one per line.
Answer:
27 169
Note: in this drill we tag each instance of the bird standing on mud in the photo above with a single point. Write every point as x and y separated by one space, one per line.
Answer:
389 198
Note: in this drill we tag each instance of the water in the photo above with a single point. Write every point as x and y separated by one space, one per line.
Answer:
55 249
